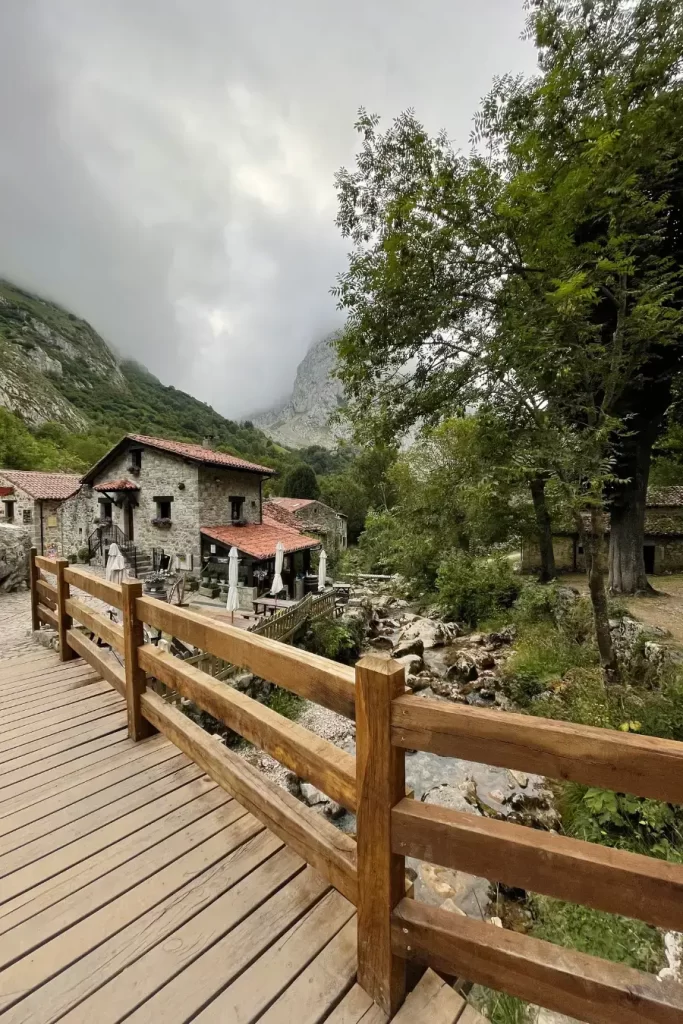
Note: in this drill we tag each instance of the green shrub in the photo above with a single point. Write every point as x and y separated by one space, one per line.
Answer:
499 1007
339 639
619 939
471 589
83 555
542 658
285 703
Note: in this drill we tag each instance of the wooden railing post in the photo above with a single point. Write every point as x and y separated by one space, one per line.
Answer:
64 621
380 782
136 680
34 576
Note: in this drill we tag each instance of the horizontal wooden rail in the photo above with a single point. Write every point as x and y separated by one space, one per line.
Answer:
98 659
626 762
329 851
46 615
47 564
103 627
611 880
108 592
48 593
308 675
585 987
330 769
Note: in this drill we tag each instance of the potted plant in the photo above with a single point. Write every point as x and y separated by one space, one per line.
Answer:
155 583
162 522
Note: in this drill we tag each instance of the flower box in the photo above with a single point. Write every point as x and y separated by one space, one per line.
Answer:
162 524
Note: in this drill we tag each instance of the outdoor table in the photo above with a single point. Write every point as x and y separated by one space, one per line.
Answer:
269 605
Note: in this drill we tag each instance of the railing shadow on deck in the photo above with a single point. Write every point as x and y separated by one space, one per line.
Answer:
393 929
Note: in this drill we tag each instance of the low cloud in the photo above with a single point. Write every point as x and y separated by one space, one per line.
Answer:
166 166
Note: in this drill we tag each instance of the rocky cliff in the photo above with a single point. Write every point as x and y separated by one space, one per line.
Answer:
304 418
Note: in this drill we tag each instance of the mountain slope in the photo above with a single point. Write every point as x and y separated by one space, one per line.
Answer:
304 418
55 367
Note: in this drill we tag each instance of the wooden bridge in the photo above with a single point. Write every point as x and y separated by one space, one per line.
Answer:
155 875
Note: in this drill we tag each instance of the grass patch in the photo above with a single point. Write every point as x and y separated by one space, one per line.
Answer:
286 703
499 1007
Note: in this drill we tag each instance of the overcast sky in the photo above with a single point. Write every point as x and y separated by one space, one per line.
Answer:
166 166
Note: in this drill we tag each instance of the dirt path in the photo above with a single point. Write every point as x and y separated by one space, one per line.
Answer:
663 609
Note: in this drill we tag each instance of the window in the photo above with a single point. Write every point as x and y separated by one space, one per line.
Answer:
163 508
26 515
136 458
9 511
105 510
236 507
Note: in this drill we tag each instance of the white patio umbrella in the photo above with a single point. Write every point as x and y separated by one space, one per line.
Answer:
322 570
277 578
116 565
233 602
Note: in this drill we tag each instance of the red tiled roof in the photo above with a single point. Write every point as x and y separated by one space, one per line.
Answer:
274 510
43 486
117 485
198 453
259 540
292 504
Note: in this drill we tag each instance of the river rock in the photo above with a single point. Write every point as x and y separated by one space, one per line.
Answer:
409 645
312 795
431 632
463 669
422 681
412 664
381 643
15 547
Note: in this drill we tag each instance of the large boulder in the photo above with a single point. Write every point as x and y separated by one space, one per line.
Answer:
430 633
15 548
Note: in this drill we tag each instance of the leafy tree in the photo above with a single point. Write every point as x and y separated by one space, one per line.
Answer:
301 482
543 272
345 494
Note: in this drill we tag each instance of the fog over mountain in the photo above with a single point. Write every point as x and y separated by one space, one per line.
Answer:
166 167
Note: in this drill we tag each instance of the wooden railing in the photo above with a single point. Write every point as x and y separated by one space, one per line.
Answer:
393 929
284 625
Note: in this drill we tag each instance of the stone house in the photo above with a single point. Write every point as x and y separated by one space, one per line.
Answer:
163 501
316 518
662 550
33 500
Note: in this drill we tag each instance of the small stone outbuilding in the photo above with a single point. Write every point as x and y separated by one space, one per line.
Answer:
662 550
32 500
315 517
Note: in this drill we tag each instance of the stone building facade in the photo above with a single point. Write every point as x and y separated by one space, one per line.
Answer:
33 501
158 494
663 542
315 518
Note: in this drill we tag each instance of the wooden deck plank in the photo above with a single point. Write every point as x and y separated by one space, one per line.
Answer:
32 772
357 1007
43 690
321 985
27 844
56 861
96 978
13 669
59 780
92 685
70 739
122 863
39 729
247 997
23 975
194 987
432 1001
49 805
164 960
59 676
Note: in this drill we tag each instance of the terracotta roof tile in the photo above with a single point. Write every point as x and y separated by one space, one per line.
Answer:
198 453
274 510
259 540
292 504
43 486
117 485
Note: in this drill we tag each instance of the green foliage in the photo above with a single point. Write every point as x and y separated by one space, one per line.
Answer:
499 1007
338 639
623 821
301 482
471 589
323 461
285 703
346 495
620 939
543 655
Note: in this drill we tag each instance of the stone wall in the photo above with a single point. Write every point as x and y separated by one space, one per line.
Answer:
15 545
668 554
39 518
76 517
563 549
217 486
333 532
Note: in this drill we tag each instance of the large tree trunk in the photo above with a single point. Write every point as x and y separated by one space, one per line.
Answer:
627 514
544 526
594 546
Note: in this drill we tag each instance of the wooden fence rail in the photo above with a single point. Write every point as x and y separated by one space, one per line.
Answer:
370 872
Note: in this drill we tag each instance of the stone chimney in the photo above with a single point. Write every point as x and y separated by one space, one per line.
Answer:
207 442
